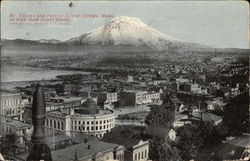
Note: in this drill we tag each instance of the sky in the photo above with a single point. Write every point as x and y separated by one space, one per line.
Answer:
222 24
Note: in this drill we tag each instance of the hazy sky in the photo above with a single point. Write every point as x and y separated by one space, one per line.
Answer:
217 23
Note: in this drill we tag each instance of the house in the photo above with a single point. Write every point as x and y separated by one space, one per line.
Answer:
161 132
207 117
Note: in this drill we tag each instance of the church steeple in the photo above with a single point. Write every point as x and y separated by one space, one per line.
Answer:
39 150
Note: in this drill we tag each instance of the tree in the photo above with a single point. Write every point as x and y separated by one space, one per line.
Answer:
235 116
162 115
189 141
195 137
219 93
161 150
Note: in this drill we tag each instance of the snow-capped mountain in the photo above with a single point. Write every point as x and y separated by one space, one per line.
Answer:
119 32
127 31
51 41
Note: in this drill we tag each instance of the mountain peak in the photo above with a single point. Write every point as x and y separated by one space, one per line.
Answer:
126 20
124 31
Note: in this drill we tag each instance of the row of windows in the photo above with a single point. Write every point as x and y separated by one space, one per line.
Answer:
55 124
6 129
120 157
10 111
92 122
10 102
141 155
92 128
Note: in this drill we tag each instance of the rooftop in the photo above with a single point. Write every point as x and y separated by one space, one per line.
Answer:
16 123
68 154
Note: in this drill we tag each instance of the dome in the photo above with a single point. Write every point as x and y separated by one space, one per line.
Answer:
89 103
88 107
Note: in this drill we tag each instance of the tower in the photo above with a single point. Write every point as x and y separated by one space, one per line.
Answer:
39 150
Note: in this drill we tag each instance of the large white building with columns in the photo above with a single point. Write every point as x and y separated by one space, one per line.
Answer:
87 118
11 105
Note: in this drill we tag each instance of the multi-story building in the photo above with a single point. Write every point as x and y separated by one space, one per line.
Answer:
134 98
11 105
92 150
9 126
104 98
191 87
87 118
137 152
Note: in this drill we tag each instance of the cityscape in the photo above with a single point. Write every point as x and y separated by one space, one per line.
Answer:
123 92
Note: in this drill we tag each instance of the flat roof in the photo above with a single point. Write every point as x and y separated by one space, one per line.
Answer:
241 141
5 94
16 123
68 154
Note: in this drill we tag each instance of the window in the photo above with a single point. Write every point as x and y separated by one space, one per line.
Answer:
100 122
139 156
83 122
104 121
96 122
142 155
96 127
135 156
83 128
92 122
87 122
92 127
100 127
62 125
104 127
145 153
58 124
79 128
87 128
79 122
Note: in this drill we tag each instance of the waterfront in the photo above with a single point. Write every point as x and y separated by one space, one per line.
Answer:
22 73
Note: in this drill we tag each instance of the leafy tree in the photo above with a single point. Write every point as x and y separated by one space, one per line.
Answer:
235 116
195 137
219 93
163 115
161 150
189 141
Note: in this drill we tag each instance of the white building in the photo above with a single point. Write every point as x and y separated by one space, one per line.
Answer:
134 98
9 126
87 118
11 105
